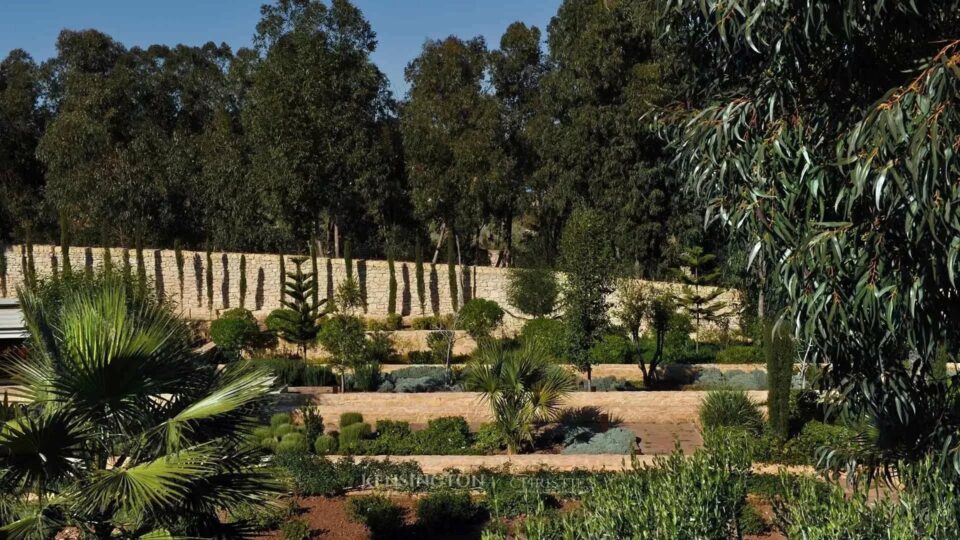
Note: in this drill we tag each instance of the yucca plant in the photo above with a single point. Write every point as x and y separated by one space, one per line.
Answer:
522 387
128 433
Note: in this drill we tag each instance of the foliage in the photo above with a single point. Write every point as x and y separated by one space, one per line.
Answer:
612 349
111 367
452 284
480 317
742 354
383 517
752 522
522 388
312 422
816 439
588 260
730 408
326 444
487 439
828 158
295 529
703 307
533 291
348 298
243 280
421 283
547 334
343 337
508 497
235 331
352 436
780 353
446 511
296 372
350 418
613 441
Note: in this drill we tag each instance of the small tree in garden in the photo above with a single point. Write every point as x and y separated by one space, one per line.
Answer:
348 298
303 312
421 281
126 270
480 317
695 273
522 387
243 281
633 309
588 260
452 272
780 352
533 291
107 260
661 313
343 337
392 288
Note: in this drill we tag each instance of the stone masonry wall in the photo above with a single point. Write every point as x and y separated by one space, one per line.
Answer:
263 280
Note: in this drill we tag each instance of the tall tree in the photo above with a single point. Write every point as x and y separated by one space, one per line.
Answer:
314 115
455 161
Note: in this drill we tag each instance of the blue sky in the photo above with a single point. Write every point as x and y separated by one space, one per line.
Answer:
401 25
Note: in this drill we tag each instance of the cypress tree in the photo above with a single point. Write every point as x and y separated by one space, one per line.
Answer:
209 275
392 294
178 256
243 281
107 260
127 276
348 258
780 353
315 269
88 262
421 282
31 273
23 265
452 273
3 269
283 280
65 243
54 266
141 269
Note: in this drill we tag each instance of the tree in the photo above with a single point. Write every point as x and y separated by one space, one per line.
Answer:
633 310
305 313
780 353
392 287
133 433
587 258
315 116
523 388
533 291
421 282
662 313
820 137
243 281
695 273
342 336
452 283
178 257
451 134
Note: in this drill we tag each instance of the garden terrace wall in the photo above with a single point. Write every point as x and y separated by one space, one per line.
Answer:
263 280
627 407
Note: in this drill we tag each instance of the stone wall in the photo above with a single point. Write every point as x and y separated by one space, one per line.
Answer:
263 280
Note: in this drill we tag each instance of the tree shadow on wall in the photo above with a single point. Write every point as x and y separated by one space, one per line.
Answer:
466 279
158 272
198 276
434 290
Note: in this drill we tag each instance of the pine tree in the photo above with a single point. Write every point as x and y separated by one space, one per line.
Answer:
780 354
452 273
209 276
243 281
298 295
65 243
178 256
392 291
703 307
421 282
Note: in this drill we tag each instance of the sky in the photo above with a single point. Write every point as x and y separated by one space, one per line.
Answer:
402 26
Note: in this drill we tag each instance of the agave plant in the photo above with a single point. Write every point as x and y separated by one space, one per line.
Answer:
522 387
128 433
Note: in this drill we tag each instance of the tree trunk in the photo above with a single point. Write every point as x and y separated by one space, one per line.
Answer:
443 231
336 241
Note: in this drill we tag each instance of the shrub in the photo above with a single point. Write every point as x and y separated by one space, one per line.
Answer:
377 513
288 371
262 517
533 291
393 427
751 522
280 418
352 437
730 409
292 442
613 441
311 475
325 444
507 498
295 529
282 429
282 321
546 333
349 418
480 317
379 348
443 436
431 322
420 384
390 323
315 375
416 372
814 437
740 354
446 511
612 349
366 376
488 439
234 334
780 352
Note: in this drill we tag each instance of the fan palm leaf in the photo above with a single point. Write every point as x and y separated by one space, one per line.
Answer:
37 451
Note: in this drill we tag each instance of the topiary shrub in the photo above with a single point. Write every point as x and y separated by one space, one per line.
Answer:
613 441
377 513
235 331
446 511
480 317
349 418
533 291
613 349
325 445
282 429
730 408
280 418
352 437
548 334
292 442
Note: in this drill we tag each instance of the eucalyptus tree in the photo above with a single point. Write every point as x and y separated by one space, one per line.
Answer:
315 115
127 433
823 137
451 130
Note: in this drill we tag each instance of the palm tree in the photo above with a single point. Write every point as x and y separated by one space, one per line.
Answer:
127 433
522 387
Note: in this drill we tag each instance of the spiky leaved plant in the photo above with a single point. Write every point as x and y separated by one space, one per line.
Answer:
128 433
